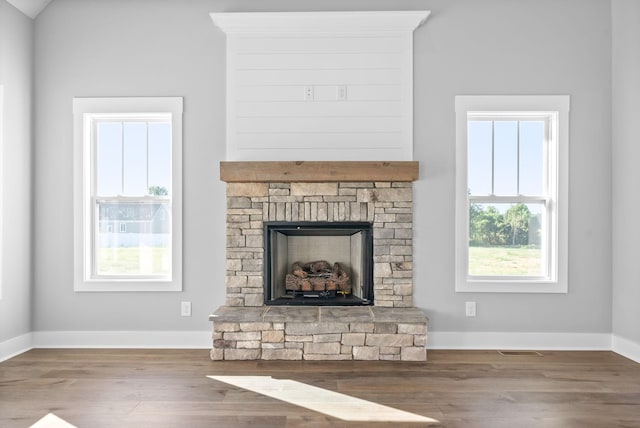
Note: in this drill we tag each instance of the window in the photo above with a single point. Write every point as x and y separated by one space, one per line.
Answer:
511 193
128 194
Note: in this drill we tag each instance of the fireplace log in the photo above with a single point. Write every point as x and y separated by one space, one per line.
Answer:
317 283
305 285
318 266
298 270
317 276
340 277
292 283
344 286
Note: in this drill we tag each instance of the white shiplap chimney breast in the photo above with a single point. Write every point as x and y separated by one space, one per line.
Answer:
320 85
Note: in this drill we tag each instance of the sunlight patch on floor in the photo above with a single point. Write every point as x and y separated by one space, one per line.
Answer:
330 403
52 421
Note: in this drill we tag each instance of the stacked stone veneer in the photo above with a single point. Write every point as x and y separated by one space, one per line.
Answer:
392 329
387 205
319 333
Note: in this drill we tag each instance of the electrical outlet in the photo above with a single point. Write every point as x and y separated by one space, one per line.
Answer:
185 309
308 93
470 309
341 93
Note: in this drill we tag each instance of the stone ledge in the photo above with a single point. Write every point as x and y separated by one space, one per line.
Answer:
319 333
317 314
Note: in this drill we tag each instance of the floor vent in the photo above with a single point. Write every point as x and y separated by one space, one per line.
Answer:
520 353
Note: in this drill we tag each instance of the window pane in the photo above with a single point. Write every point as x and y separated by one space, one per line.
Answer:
505 240
160 158
531 157
134 238
505 157
109 158
479 157
135 159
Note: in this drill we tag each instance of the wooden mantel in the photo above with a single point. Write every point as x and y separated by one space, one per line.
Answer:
318 171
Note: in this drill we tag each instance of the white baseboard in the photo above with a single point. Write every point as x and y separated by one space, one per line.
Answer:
435 340
523 341
123 339
15 346
625 347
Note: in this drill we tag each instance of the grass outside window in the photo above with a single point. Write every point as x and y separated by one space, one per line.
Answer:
505 261
134 261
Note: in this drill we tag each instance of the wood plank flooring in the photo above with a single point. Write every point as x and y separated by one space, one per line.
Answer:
169 388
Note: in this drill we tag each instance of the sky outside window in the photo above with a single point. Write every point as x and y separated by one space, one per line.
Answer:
126 164
511 166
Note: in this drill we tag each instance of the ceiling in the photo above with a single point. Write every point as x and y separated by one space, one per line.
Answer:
31 8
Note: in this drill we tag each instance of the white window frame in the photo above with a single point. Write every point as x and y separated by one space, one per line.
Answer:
85 110
555 108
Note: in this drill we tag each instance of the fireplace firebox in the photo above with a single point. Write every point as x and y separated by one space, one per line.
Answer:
318 263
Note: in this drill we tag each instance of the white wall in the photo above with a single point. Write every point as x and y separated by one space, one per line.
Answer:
171 47
322 86
626 174
16 48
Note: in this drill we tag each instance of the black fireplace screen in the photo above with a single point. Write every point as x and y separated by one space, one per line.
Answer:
318 263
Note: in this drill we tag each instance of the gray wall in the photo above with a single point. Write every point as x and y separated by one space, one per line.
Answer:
128 48
507 47
626 174
16 49
170 47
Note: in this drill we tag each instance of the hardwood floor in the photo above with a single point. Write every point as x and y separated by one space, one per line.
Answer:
169 388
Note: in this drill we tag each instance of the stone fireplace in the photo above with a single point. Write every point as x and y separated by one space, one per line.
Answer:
333 278
353 205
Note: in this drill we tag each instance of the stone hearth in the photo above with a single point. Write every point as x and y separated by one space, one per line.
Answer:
319 333
376 192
